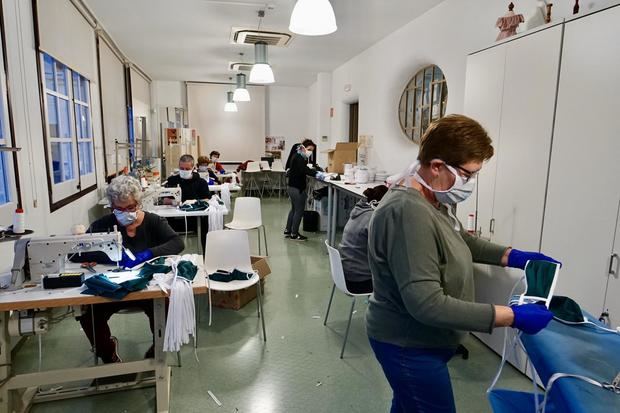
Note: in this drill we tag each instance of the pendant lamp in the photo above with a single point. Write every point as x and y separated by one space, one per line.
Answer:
261 71
313 18
241 92
230 106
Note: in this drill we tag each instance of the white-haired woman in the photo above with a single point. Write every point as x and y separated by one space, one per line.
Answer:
146 235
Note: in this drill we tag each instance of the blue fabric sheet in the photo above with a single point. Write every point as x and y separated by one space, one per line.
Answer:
583 350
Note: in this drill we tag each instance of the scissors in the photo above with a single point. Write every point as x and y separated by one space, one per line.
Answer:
90 266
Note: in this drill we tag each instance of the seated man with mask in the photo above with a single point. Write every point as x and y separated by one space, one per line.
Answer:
193 187
147 236
191 184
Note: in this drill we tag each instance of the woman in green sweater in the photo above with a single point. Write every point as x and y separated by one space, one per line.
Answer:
421 261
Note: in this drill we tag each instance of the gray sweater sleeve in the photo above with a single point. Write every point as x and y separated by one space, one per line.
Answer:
482 251
415 260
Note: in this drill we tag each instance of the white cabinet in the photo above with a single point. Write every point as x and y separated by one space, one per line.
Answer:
612 301
584 188
483 102
511 90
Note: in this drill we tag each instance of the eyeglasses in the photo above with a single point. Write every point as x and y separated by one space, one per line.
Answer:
465 174
130 208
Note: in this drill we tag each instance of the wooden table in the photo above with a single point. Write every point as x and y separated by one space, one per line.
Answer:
38 298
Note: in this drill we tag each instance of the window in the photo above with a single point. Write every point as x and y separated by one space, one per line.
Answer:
8 186
69 130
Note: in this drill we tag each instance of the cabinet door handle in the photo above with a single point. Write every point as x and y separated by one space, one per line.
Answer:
492 226
613 271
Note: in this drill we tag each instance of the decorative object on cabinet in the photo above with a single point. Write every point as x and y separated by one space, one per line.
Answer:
424 100
537 16
508 23
548 15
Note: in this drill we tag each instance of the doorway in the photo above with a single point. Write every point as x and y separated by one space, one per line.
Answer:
353 121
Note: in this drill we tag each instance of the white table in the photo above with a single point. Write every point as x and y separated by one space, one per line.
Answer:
335 188
169 211
218 188
38 298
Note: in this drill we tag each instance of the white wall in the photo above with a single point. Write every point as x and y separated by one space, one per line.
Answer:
287 114
443 36
238 136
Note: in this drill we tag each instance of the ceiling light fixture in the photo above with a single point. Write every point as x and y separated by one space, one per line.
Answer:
230 106
313 18
261 71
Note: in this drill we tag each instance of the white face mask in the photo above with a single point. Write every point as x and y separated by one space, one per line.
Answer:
308 154
214 159
185 174
459 192
203 168
125 218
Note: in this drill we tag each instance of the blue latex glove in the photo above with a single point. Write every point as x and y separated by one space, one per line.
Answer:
531 318
141 257
518 259
320 176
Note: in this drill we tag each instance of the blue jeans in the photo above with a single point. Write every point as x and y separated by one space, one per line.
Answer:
419 377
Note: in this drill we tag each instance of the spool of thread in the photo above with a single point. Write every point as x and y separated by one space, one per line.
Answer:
471 226
19 221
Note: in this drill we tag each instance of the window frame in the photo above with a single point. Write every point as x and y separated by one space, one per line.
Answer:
8 135
65 192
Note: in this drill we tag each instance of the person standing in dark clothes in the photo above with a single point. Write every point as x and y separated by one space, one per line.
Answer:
147 236
295 150
297 172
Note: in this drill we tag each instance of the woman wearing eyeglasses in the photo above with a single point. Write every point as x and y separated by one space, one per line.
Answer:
147 236
421 261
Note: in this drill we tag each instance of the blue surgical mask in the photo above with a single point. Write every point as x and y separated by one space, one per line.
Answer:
125 218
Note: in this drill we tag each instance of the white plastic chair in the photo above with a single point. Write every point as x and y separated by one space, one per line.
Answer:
250 178
277 166
335 264
247 215
279 182
229 250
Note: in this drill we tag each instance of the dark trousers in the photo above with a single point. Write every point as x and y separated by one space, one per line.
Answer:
99 333
359 287
298 206
419 378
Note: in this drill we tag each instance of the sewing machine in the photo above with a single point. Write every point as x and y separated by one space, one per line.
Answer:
169 193
47 255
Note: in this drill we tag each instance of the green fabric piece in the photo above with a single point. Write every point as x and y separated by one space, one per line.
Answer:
187 270
230 276
199 205
566 309
101 285
539 276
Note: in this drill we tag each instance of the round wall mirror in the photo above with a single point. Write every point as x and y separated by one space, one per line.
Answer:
423 101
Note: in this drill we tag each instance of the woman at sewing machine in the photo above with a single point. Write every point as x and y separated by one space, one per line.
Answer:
146 235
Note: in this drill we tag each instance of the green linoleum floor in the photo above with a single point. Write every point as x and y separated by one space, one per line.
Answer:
297 370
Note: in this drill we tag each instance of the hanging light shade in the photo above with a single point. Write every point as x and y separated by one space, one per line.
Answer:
230 106
261 71
313 18
241 92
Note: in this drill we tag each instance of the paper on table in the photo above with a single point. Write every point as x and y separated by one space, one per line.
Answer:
120 277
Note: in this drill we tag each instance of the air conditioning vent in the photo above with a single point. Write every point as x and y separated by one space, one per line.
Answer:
252 36
239 67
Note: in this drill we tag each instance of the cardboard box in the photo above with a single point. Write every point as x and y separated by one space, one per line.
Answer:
345 152
237 299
